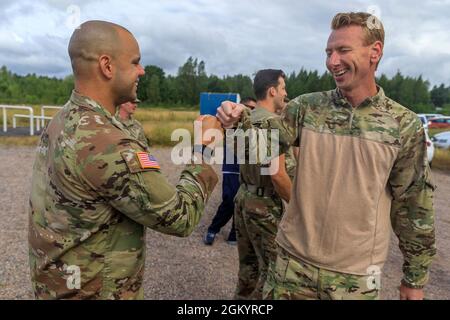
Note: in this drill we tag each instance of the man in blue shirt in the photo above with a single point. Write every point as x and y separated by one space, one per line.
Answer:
230 186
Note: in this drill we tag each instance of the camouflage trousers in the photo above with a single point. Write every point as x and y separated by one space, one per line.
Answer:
256 220
291 278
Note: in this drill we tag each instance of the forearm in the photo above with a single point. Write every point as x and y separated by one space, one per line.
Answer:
283 186
280 178
413 223
154 203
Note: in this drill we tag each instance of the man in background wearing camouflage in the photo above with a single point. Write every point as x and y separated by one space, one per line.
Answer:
362 167
95 187
230 186
259 207
125 114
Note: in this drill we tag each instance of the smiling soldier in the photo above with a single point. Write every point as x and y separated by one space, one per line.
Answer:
95 187
362 167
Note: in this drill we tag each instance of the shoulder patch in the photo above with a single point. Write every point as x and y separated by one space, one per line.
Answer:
139 161
147 161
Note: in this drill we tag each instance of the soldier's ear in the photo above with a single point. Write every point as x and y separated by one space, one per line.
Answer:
106 66
376 51
272 91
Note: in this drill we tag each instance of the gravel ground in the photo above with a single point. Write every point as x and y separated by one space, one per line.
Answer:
182 268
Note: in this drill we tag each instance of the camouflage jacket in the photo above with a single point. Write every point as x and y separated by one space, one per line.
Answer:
251 173
135 128
360 170
91 199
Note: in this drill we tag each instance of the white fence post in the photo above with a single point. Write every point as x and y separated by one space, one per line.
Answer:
31 117
5 124
43 117
38 122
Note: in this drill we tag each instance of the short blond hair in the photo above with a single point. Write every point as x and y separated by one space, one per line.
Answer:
371 25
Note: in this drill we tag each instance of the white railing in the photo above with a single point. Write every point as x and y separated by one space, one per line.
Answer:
30 116
43 117
38 120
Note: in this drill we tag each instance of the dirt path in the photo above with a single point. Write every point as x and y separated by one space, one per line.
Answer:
182 268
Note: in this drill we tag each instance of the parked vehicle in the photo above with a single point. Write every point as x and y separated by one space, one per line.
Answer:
430 147
430 115
424 120
442 140
439 123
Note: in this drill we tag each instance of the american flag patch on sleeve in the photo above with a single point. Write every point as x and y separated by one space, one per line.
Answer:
147 161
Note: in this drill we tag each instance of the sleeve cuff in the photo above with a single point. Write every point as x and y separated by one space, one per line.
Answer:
411 285
415 279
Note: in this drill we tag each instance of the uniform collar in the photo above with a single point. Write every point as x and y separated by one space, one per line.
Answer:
260 110
127 122
340 100
87 102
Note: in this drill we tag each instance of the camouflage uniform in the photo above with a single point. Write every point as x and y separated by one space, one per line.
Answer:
91 200
360 171
290 278
135 128
258 210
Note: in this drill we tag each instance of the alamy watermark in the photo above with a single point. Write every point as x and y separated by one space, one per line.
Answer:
74 279
373 22
253 146
373 281
73 19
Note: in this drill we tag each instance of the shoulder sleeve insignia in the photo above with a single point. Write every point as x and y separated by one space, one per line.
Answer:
147 161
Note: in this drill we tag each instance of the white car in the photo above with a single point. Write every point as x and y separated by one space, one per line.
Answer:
429 116
423 118
430 147
442 140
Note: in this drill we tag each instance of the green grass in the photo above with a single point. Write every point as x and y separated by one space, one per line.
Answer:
432 132
159 134
441 159
19 141
162 115
158 126
172 107
143 114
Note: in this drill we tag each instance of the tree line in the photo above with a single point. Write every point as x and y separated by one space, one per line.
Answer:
183 89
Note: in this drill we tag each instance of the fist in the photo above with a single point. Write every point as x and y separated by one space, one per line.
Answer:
207 129
229 113
410 293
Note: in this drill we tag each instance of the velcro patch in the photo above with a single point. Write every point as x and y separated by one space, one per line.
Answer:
133 162
147 161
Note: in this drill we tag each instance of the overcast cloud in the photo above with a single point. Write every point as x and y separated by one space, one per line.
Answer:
230 36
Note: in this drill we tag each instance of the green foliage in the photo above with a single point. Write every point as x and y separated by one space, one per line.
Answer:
440 96
32 89
183 90
445 109
410 92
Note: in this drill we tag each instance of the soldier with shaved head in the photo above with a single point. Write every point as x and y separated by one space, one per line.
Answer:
96 187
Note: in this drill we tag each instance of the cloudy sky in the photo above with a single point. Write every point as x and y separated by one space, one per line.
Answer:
231 36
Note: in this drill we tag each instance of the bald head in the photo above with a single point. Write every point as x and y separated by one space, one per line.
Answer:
93 39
